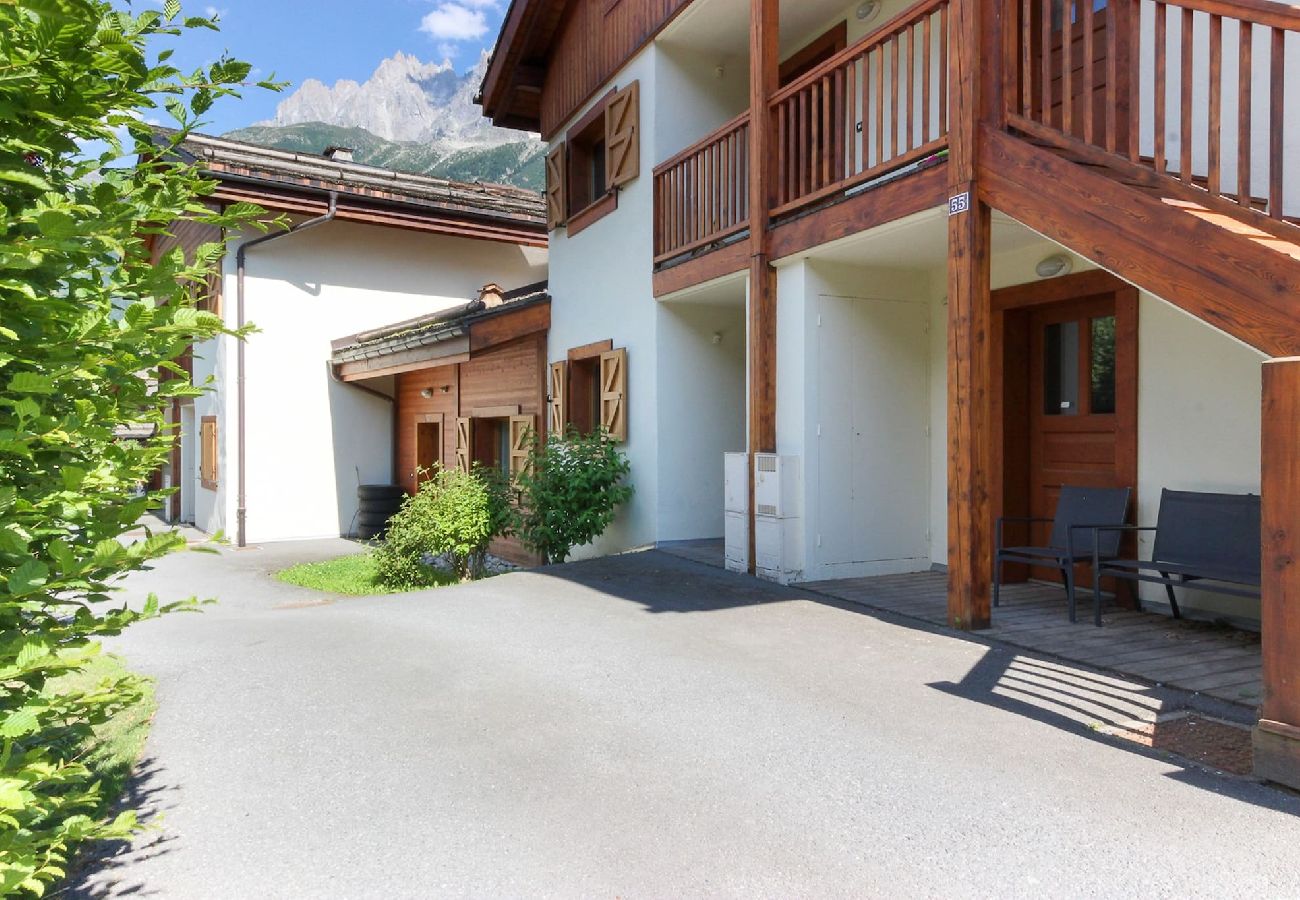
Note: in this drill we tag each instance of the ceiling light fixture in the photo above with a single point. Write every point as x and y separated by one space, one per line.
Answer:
868 11
1052 266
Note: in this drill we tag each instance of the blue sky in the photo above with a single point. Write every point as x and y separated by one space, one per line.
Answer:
329 40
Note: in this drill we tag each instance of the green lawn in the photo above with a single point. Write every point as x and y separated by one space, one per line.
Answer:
119 742
354 574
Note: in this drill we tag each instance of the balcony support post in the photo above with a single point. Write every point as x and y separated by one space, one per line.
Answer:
970 426
1277 737
764 60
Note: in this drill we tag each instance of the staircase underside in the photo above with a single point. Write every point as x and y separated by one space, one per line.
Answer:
1232 270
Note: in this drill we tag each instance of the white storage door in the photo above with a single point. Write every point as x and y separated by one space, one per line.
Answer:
873 450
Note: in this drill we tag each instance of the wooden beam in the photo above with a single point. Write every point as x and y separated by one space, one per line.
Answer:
1236 282
970 426
1053 290
764 79
889 202
588 351
718 263
1277 738
508 326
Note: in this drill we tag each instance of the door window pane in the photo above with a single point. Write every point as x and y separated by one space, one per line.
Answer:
1103 365
1061 369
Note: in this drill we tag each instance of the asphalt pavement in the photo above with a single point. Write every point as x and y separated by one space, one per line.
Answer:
639 726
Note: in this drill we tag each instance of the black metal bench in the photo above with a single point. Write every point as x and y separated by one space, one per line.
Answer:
1078 511
1208 540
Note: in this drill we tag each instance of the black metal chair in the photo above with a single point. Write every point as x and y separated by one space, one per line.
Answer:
1210 540
1078 510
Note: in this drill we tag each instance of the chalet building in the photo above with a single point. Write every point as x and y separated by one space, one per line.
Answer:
294 422
939 258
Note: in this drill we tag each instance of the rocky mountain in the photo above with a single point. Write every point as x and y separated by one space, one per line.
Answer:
409 116
520 163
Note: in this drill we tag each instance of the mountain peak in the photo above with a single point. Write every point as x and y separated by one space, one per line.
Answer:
405 99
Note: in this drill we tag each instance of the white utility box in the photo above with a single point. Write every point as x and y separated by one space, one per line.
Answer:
777 486
735 480
736 527
778 549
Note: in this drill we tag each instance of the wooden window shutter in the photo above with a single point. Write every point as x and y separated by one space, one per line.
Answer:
559 398
520 429
208 452
613 393
464 443
557 193
623 136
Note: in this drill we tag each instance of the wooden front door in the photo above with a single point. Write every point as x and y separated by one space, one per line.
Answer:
1065 395
1082 400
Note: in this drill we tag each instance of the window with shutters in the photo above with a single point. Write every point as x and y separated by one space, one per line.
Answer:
597 393
601 153
584 394
208 452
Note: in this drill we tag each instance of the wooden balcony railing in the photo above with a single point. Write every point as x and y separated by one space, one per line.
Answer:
1192 89
875 107
701 195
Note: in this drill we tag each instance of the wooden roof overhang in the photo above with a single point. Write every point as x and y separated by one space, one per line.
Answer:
441 339
511 93
288 182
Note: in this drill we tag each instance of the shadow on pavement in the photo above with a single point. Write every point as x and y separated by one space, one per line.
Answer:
1120 712
102 870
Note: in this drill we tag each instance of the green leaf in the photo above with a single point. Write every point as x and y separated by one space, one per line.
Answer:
28 577
55 223
31 651
172 8
19 723
29 177
31 383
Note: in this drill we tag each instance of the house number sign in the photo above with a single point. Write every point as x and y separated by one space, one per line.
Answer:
959 203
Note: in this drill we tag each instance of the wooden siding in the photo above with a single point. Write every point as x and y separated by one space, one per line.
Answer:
510 376
411 408
596 38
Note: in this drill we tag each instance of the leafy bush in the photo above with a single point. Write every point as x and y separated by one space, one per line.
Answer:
90 330
454 515
569 493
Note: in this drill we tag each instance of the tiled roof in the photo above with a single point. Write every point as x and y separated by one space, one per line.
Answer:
265 165
434 328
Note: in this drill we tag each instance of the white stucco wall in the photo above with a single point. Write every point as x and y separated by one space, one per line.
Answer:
602 288
311 440
705 416
711 90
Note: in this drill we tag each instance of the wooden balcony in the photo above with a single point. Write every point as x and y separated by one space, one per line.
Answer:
874 108
1175 89
702 194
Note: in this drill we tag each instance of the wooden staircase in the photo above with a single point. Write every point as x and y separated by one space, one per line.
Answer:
1174 212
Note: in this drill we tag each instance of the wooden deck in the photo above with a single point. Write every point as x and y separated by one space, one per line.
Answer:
1214 660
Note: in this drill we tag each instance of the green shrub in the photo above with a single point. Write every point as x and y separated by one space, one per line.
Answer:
569 493
91 328
454 515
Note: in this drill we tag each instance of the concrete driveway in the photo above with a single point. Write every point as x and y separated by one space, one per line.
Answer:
636 727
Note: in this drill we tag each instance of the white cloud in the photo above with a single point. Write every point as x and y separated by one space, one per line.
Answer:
462 20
